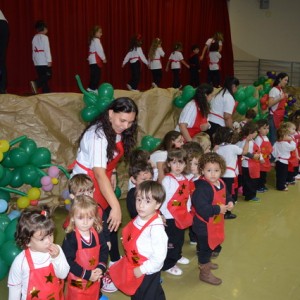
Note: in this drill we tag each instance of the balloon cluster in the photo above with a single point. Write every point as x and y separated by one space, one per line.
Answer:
188 92
95 104
245 96
149 143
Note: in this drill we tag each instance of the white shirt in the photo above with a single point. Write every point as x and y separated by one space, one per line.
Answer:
134 55
92 151
19 272
41 54
156 157
155 63
230 154
210 41
214 57
176 57
153 244
276 94
219 105
188 115
96 46
282 150
2 16
241 144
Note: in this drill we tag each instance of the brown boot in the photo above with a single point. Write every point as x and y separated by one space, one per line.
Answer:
206 275
212 265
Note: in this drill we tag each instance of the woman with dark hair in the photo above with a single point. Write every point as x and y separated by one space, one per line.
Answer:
193 118
102 144
277 101
222 106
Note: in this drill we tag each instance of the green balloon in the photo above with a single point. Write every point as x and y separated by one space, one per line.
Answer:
1 171
4 221
89 113
6 178
19 157
6 162
11 229
240 95
37 182
16 180
103 103
4 195
41 156
267 88
179 102
256 83
251 102
249 91
118 192
29 146
2 237
29 174
8 251
146 142
4 267
262 79
242 108
106 90
90 99
188 92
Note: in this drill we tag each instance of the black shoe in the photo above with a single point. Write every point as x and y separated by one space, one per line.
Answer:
229 216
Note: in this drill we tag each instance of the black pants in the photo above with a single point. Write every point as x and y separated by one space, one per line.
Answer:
194 77
4 37
203 250
281 175
95 76
157 76
175 244
135 74
261 183
249 184
44 75
213 77
176 78
291 175
229 181
150 289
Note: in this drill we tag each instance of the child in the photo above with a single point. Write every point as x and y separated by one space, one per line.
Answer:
134 56
154 58
204 140
176 59
213 75
250 161
145 245
42 59
176 209
172 139
262 141
38 271
194 63
249 116
210 202
96 58
224 139
139 172
85 249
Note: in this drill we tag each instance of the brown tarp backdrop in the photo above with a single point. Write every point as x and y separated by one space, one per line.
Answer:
69 22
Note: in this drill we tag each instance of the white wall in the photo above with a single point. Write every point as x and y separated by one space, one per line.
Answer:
265 33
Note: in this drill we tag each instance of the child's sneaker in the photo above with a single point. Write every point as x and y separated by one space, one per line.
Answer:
266 189
108 285
129 87
255 199
297 177
183 260
193 243
175 271
261 190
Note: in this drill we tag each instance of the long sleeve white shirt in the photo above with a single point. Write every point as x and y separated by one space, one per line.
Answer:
41 54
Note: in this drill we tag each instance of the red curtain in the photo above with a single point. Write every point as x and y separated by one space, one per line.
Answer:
69 22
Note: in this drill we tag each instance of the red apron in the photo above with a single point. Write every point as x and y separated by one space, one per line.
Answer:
177 205
121 272
99 61
215 224
235 184
88 258
198 122
293 160
43 283
111 165
278 114
265 149
254 164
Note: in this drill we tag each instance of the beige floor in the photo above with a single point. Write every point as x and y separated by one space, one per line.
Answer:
260 256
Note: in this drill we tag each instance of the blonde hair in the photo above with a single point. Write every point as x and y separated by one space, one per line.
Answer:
85 206
283 130
155 44
80 184
204 140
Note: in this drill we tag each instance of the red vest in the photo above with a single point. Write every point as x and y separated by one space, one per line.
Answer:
265 149
197 123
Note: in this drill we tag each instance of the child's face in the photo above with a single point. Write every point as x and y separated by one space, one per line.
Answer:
177 143
40 243
141 177
212 172
196 51
83 221
146 206
209 97
263 131
194 166
176 167
292 130
99 33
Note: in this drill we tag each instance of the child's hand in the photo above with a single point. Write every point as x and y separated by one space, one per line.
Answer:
96 275
223 209
256 156
249 137
108 245
204 127
53 250
230 206
137 272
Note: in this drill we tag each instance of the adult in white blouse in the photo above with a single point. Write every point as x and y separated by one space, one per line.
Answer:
217 37
222 106
4 36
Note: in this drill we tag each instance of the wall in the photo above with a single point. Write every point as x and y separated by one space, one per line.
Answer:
265 33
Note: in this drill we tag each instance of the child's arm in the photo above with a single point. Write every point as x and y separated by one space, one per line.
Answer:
14 292
59 262
203 52
142 56
184 63
126 59
103 253
167 66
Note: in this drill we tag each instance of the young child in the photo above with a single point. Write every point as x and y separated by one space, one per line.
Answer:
262 141
138 172
42 59
194 64
134 56
176 209
213 75
85 249
224 139
250 161
249 116
38 271
96 58
204 141
156 52
145 245
210 202
176 59
295 118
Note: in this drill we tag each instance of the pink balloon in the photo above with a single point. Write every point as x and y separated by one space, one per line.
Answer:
47 188
46 180
53 171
